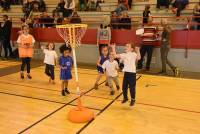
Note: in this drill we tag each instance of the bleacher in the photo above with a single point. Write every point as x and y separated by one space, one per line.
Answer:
96 17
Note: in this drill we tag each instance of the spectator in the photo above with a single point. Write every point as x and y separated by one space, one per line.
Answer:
75 18
114 20
164 3
42 6
35 6
58 19
196 13
120 8
46 20
5 4
91 5
146 14
179 5
125 21
27 7
82 5
61 6
69 7
98 4
7 27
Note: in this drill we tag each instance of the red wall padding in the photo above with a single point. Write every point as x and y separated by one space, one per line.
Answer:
179 38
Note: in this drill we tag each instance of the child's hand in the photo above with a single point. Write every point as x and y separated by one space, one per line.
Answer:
113 46
42 47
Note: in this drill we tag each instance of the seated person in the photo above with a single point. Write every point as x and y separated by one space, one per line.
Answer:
120 8
35 5
42 6
75 18
179 5
5 4
46 20
82 5
61 6
125 21
114 20
91 5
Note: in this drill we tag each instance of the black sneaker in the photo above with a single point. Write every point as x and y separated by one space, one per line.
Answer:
29 77
132 102
96 86
124 101
117 87
67 91
22 76
63 92
112 92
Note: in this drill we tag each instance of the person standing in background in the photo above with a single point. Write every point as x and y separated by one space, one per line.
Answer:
146 14
164 49
7 27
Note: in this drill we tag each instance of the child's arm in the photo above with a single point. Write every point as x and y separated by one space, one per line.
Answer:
114 51
137 50
98 62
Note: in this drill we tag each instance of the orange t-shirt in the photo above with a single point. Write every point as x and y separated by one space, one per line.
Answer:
25 45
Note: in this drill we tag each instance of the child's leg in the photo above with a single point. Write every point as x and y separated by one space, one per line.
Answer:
23 65
52 73
28 64
66 87
97 80
63 88
106 84
110 85
125 87
116 80
47 70
132 84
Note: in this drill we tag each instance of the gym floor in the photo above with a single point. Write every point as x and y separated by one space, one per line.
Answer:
164 105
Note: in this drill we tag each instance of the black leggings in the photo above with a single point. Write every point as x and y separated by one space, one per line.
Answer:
129 81
26 62
49 71
7 47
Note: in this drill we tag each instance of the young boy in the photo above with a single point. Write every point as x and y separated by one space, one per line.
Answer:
129 57
111 67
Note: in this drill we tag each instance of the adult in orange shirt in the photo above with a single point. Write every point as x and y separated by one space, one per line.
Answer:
25 45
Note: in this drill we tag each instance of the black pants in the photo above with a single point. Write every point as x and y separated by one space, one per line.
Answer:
163 3
7 47
130 3
149 50
26 62
180 6
49 71
129 81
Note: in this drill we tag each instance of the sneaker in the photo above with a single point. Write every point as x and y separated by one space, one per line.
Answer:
117 86
176 72
132 102
67 91
106 84
22 76
96 86
112 92
124 101
63 92
29 76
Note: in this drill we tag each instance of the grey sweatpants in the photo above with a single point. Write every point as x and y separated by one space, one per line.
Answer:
164 50
116 81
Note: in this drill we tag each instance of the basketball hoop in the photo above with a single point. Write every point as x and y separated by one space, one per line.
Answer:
72 35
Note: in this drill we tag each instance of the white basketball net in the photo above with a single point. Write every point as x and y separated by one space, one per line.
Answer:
72 33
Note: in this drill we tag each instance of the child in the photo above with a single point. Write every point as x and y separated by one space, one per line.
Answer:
26 42
101 60
66 63
111 67
131 55
50 61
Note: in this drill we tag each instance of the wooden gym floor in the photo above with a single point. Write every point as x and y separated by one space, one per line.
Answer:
165 105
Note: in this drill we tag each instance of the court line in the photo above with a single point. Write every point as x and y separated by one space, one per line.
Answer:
106 107
55 111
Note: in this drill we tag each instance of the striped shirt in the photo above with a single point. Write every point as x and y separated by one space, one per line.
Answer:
150 36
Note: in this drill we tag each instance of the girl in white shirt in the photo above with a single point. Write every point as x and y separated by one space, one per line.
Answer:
50 61
131 55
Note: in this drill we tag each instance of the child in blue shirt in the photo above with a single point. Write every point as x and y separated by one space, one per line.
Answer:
66 64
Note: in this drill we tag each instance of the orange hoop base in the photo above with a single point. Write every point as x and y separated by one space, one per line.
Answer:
80 114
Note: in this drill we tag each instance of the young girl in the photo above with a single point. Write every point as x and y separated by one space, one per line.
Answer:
50 61
131 55
103 57
66 63
26 42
